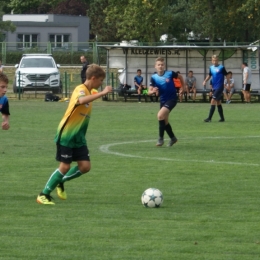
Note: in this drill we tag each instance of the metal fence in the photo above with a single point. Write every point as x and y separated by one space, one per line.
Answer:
68 53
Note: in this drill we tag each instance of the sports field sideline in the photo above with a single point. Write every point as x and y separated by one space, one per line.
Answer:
209 179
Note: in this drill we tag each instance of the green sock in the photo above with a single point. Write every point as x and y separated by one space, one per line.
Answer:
53 181
73 173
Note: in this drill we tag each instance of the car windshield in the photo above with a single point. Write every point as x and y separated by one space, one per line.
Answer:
37 63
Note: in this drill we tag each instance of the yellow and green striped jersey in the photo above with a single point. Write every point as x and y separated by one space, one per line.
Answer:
74 124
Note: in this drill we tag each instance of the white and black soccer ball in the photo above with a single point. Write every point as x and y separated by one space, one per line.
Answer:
152 198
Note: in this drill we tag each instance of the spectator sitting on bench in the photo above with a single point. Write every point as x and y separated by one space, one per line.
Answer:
178 86
138 81
190 83
229 87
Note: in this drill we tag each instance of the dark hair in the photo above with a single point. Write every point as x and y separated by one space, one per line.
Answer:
4 78
178 72
245 63
139 70
190 71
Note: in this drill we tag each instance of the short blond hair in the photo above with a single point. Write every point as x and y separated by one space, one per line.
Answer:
214 56
159 59
95 71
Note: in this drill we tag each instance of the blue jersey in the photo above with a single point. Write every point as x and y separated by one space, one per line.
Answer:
218 74
165 84
138 80
4 105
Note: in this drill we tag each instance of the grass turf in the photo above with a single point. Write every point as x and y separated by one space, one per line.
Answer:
210 181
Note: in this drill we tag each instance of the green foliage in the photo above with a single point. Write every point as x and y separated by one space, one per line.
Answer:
23 7
146 21
140 19
210 181
103 32
228 20
5 26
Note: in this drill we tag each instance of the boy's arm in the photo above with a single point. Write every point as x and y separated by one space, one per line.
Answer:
232 84
194 83
136 83
5 123
90 98
152 90
246 76
206 79
181 80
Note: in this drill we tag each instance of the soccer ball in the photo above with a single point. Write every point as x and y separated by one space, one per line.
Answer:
152 198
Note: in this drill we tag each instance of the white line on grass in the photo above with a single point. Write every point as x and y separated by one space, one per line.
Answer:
106 149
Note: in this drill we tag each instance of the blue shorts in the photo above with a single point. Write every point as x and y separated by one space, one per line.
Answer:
67 155
170 104
217 94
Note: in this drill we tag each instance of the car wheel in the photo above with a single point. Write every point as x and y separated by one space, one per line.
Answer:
15 88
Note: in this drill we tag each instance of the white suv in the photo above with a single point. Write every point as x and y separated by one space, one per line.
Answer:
37 72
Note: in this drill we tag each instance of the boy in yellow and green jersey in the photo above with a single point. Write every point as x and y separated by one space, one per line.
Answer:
70 137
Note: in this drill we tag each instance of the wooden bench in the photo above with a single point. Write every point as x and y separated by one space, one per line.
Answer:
205 94
132 93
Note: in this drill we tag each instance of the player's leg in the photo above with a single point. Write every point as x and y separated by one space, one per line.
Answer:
219 106
81 155
189 92
165 110
181 94
64 155
168 128
231 92
162 116
226 95
244 92
248 87
213 104
194 93
139 94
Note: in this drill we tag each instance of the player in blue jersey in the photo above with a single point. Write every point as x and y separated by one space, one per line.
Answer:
218 73
4 105
162 83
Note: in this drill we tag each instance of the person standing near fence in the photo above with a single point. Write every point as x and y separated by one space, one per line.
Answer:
247 80
4 104
162 82
218 73
84 68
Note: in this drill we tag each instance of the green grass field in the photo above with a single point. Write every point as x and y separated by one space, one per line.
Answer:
210 181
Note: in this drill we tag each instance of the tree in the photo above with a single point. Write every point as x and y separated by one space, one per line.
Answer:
71 7
105 32
221 19
139 19
4 26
